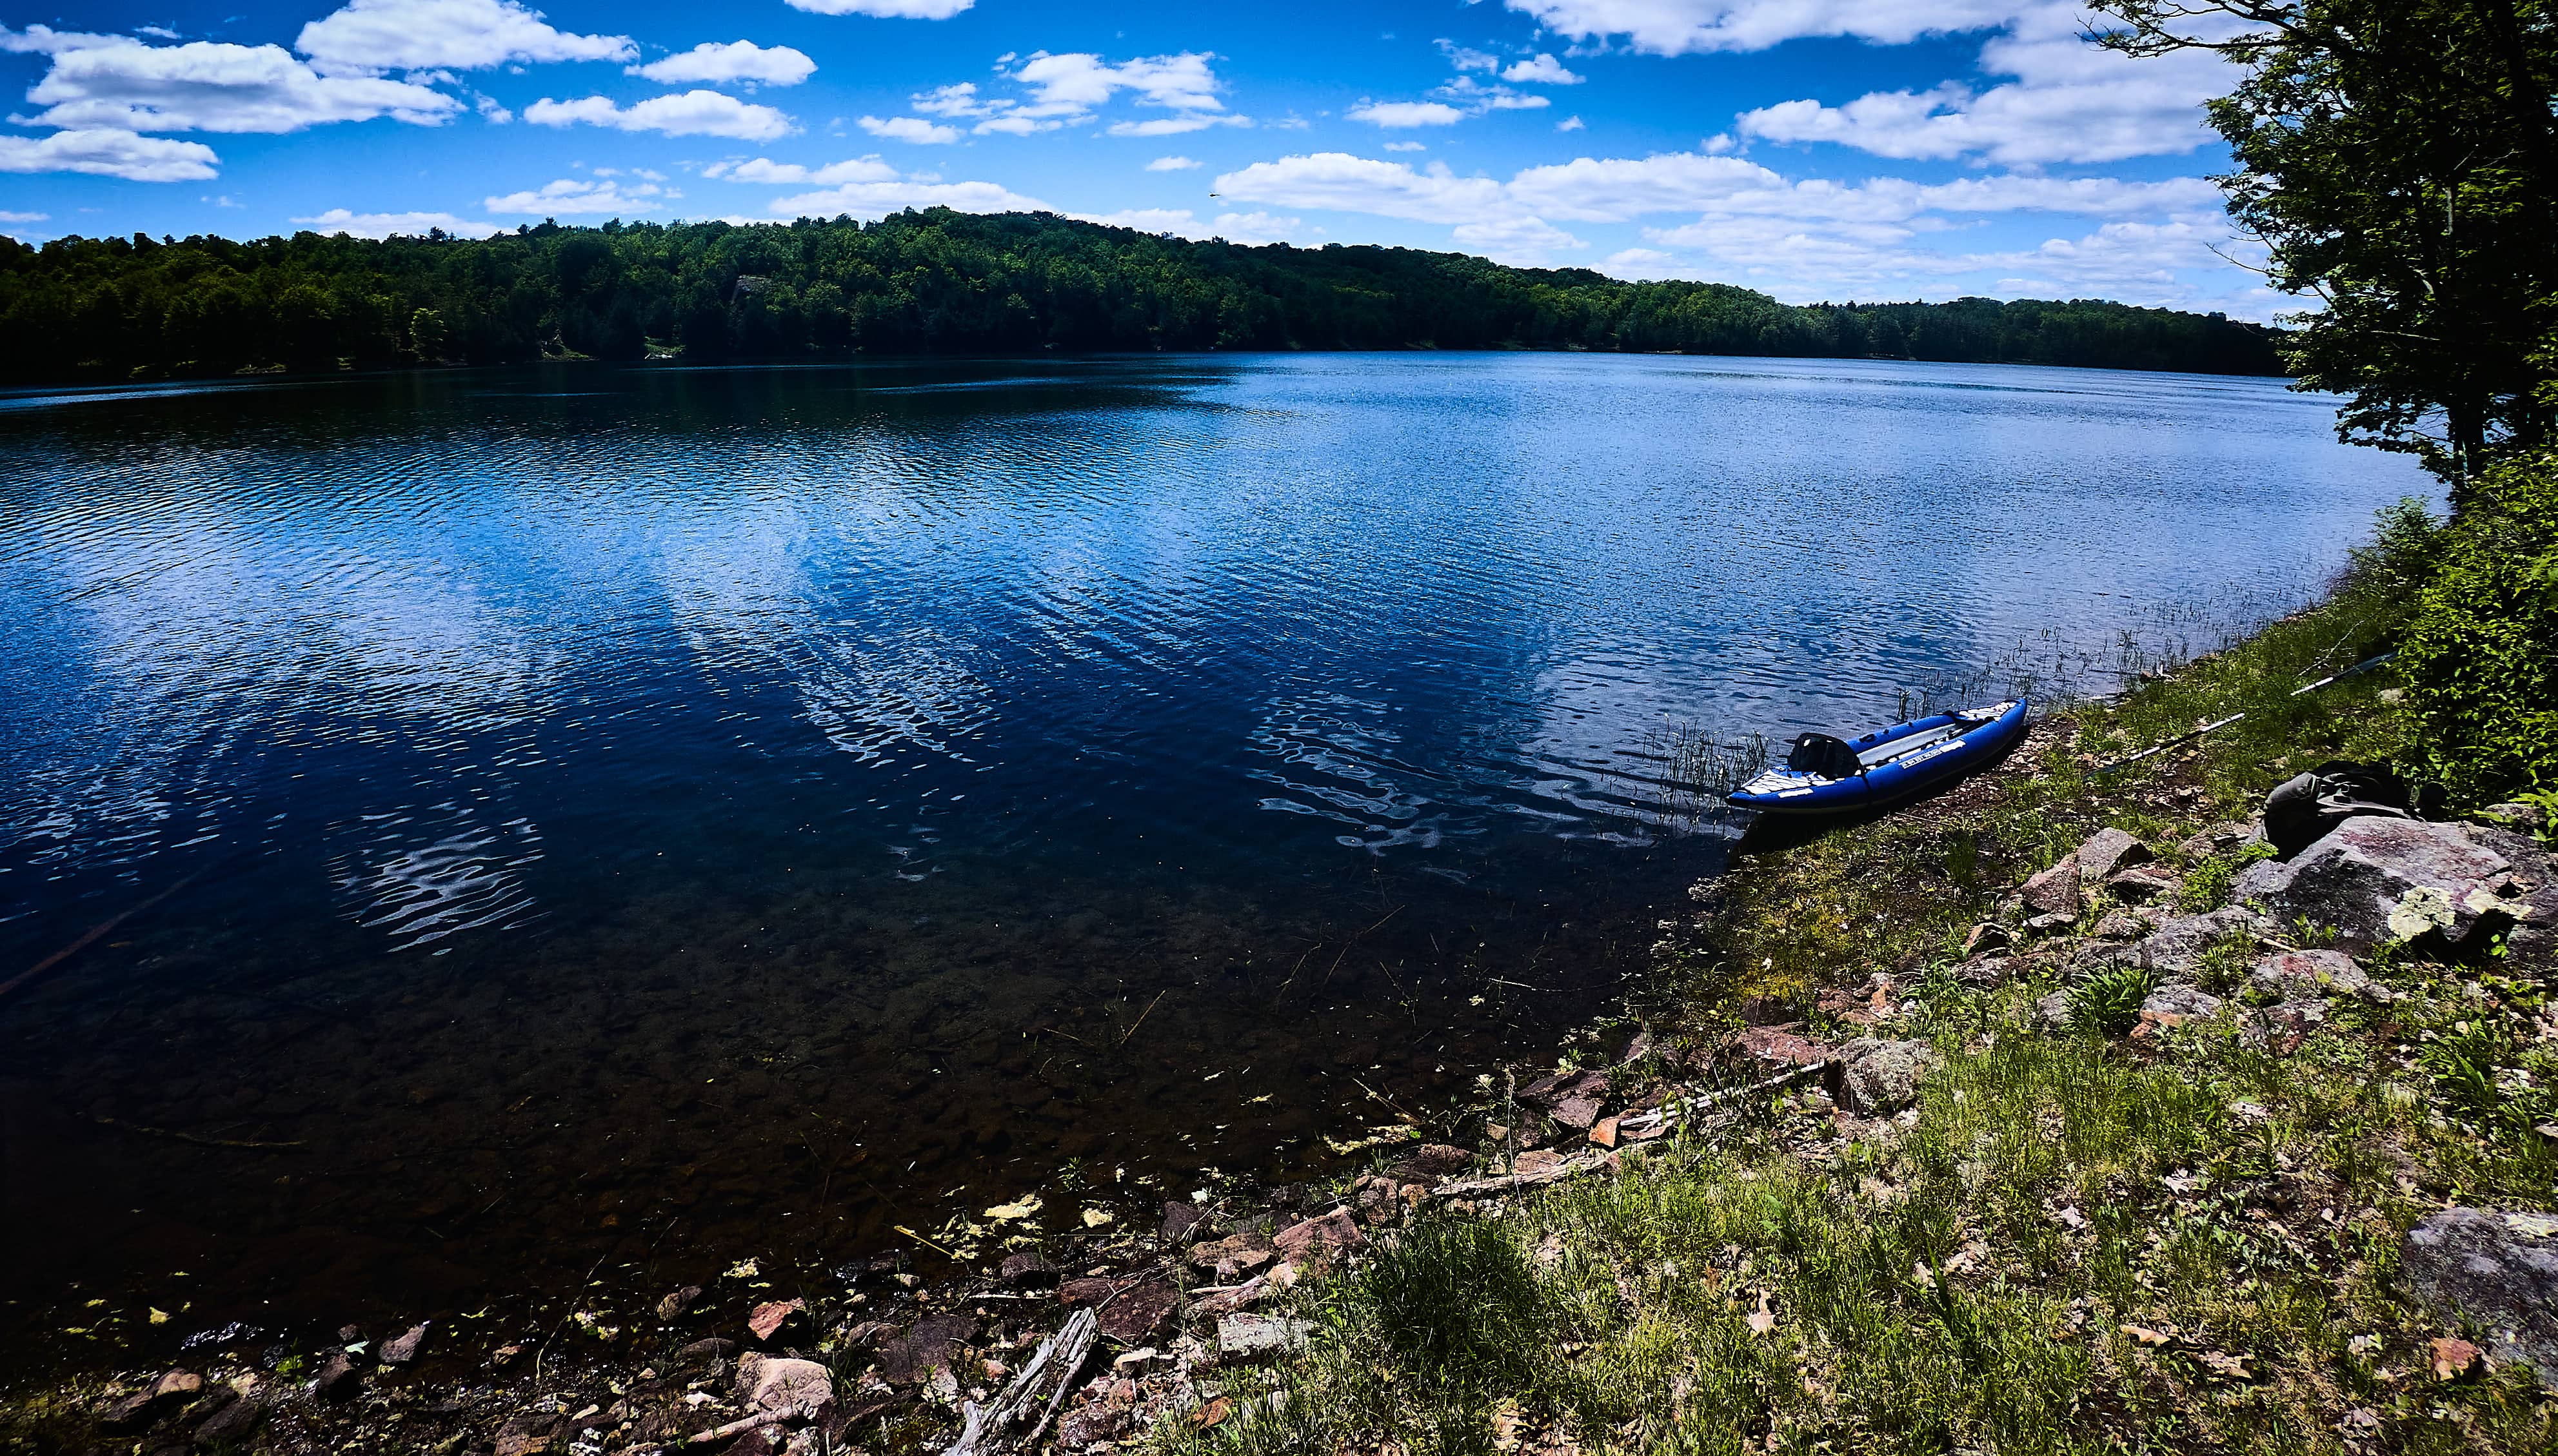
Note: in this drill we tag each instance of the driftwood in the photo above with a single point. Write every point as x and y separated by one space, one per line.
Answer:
1061 1357
757 1421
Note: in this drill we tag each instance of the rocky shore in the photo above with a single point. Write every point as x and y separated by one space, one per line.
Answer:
2330 940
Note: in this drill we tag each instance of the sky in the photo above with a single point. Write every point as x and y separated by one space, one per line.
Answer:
1814 149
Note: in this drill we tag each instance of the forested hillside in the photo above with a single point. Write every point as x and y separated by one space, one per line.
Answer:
106 309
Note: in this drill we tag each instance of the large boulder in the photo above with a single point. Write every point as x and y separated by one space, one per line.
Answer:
2377 880
2497 1270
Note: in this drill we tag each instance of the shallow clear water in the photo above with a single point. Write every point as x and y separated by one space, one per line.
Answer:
609 811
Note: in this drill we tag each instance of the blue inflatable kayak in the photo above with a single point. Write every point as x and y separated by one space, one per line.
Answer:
1826 775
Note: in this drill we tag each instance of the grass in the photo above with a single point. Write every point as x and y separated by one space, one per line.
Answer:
2185 1243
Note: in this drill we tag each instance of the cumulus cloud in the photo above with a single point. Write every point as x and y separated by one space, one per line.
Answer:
1570 124
1743 214
1407 113
1171 164
695 113
396 224
109 153
793 174
1249 230
1541 70
1066 90
1680 27
116 83
885 9
571 197
735 63
368 37
2069 101
879 199
910 129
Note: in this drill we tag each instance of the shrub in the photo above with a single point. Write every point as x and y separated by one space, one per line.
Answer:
2480 658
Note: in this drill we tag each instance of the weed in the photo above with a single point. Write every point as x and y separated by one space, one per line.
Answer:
2108 1001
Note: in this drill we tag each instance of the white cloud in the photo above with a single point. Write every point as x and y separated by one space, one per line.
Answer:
791 173
960 100
8 216
109 154
1570 124
396 224
1680 27
1521 241
570 198
695 113
115 83
1407 146
1541 70
885 9
1462 59
1062 90
1407 113
1173 126
1171 164
879 199
1343 183
1249 230
738 61
913 129
2070 102
372 35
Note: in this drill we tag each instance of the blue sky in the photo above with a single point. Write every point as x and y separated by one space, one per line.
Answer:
1817 149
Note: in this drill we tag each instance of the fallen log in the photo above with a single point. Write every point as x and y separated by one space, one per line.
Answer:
1061 1357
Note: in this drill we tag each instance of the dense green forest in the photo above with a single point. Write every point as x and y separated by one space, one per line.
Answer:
935 282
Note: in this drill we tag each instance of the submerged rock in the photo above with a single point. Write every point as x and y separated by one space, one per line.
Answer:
2498 1270
232 1422
767 1318
1027 1268
671 1308
925 1347
402 1350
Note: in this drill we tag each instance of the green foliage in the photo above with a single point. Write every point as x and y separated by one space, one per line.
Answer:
112 309
2108 1001
2207 885
2480 659
2400 162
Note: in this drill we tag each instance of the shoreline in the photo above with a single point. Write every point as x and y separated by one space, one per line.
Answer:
1784 1031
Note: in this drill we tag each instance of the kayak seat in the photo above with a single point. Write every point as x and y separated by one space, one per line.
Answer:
1819 753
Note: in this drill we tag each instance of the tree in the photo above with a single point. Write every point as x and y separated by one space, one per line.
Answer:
2398 159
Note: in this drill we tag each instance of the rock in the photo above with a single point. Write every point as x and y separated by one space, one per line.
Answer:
2527 818
1252 1336
2178 1002
672 1307
2142 883
2217 839
1431 1163
1781 1049
1227 1301
1317 1240
2119 925
2054 1010
1881 1077
530 1433
2107 851
705 1350
1576 1113
2304 810
2379 880
1181 1222
232 1423
771 1383
2497 1271
2177 947
2054 892
1987 938
1091 1425
1562 1086
139 1406
1140 1309
1092 1290
771 1317
1982 971
925 1347
1236 1253
2288 975
1028 1270
402 1350
337 1380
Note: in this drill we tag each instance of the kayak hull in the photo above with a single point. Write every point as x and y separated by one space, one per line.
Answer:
1946 747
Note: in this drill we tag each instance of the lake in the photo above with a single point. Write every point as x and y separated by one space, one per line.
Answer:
557 821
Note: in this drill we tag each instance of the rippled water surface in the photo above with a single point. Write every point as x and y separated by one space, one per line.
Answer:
550 818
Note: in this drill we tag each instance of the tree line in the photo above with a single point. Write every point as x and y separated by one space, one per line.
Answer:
944 282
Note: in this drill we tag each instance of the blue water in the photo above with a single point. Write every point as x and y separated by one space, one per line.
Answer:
679 798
